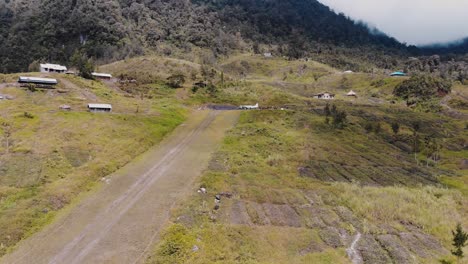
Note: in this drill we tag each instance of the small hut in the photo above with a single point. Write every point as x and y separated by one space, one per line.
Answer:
100 108
48 67
351 93
65 108
325 96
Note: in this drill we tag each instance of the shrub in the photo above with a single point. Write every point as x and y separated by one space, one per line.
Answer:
28 115
422 88
368 127
176 80
377 128
395 127
31 87
177 244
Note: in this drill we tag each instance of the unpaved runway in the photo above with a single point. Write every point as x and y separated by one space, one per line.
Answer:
120 222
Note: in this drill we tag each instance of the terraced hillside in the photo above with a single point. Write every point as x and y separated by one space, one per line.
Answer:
294 189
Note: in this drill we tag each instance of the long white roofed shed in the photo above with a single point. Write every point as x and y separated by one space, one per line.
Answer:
48 67
102 75
37 80
99 107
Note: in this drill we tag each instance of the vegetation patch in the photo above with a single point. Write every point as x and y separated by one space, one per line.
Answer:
289 171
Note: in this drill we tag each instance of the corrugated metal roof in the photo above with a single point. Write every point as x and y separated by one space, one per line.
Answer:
106 75
37 80
398 74
56 67
101 106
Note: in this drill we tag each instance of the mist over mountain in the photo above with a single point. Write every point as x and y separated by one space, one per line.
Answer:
455 47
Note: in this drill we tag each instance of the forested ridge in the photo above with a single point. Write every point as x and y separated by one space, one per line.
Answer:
52 30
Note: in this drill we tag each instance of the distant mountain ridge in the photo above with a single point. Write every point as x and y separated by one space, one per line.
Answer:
456 47
53 30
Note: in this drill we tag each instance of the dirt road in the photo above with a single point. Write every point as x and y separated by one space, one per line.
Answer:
120 222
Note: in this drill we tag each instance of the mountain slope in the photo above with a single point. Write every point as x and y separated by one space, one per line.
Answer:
460 47
52 30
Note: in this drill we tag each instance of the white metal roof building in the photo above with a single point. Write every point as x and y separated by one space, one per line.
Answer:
48 67
102 75
37 80
99 107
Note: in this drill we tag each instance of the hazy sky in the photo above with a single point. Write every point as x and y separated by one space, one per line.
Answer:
411 21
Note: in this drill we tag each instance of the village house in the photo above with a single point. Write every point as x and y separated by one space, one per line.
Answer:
102 76
47 67
351 93
100 108
65 107
324 96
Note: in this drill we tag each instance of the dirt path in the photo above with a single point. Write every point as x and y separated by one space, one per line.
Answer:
79 91
352 251
121 221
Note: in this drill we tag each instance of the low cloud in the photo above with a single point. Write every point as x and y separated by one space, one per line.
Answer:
418 22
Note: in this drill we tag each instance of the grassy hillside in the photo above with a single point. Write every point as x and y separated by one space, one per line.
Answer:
49 156
301 192
294 189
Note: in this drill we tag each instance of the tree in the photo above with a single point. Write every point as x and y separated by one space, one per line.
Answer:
34 66
395 127
431 149
459 241
256 48
222 78
333 110
416 127
296 45
327 110
339 119
377 128
84 65
338 116
368 127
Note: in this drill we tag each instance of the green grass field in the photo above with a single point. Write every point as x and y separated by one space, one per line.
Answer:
49 157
